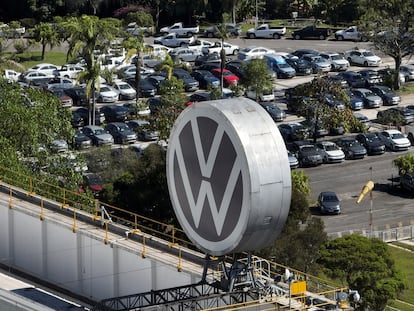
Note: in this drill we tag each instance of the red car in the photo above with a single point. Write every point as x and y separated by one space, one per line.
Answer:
229 78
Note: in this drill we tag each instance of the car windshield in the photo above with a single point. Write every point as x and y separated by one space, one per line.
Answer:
307 148
397 136
330 198
124 86
368 53
330 147
105 89
99 132
336 57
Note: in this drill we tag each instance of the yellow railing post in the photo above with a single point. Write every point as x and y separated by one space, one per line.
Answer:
106 233
10 197
64 204
74 220
144 252
179 267
42 216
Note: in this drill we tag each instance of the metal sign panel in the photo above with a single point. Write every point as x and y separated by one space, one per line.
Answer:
228 175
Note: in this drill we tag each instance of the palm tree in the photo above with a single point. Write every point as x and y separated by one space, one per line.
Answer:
223 35
85 35
46 35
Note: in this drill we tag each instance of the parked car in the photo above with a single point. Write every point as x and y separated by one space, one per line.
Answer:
77 121
214 59
61 83
331 152
354 79
231 29
64 99
190 84
392 114
184 54
81 141
306 153
229 78
337 60
93 182
292 131
389 97
78 95
278 64
300 52
98 135
251 52
205 79
46 68
363 57
371 100
142 128
351 148
363 119
107 94
371 77
301 66
35 77
357 103
329 203
315 130
394 140
318 63
274 111
70 71
146 87
372 143
229 49
84 113
121 133
293 161
59 145
266 95
114 113
125 91
408 72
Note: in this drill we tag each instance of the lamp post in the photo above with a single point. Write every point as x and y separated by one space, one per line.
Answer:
368 187
257 16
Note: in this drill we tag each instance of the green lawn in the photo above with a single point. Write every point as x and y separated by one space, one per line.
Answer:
404 259
32 58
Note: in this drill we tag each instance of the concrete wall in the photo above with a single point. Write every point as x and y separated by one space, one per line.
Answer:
81 262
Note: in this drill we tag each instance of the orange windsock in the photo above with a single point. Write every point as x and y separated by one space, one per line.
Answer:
366 189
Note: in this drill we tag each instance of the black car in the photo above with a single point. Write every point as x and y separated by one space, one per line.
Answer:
205 79
156 80
372 143
301 66
78 95
83 112
407 182
236 67
396 115
354 79
329 203
274 111
121 132
81 141
77 120
207 58
372 77
306 153
292 131
299 53
352 148
190 84
115 113
146 88
389 97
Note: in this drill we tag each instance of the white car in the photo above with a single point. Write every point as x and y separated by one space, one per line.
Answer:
125 91
363 58
157 50
264 96
408 72
107 94
11 75
394 140
338 62
331 152
46 68
70 71
252 52
35 77
229 48
130 70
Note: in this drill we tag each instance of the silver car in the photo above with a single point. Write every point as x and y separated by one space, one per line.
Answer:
371 100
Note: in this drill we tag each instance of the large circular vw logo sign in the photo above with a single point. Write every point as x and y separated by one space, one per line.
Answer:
228 176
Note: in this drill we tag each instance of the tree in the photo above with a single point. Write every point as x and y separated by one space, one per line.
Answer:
365 265
256 76
46 35
44 9
299 243
391 32
405 163
85 34
315 105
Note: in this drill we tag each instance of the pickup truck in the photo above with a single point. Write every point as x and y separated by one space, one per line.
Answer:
180 30
351 33
310 32
266 31
172 40
135 30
